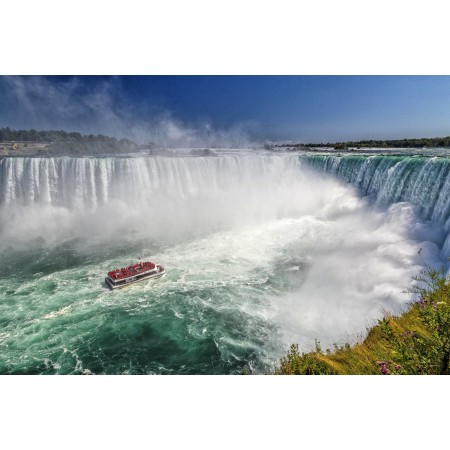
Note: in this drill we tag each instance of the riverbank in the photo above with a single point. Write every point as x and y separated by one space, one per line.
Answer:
23 149
416 342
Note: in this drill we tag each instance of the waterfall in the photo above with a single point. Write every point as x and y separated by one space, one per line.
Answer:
90 182
194 192
159 195
424 182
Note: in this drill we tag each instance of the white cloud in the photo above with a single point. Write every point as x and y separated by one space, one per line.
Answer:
102 108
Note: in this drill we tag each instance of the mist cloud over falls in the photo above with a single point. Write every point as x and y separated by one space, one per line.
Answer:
102 107
161 197
164 197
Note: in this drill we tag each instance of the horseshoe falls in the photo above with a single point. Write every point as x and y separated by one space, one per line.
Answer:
261 250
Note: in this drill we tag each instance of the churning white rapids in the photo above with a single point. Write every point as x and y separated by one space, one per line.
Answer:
261 251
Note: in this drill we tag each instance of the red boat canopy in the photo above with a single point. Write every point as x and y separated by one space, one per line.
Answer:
130 271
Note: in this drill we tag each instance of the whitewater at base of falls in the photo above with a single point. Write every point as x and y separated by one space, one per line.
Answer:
260 251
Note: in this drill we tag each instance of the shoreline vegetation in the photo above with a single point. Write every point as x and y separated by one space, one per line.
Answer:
375 143
417 342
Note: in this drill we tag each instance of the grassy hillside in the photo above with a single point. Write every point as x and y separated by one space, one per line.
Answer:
416 342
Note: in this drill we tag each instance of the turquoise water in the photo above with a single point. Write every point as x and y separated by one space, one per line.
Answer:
260 252
205 316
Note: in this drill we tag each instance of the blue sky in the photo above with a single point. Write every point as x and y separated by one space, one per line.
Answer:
201 109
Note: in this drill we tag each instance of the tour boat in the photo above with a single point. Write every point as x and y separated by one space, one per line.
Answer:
135 273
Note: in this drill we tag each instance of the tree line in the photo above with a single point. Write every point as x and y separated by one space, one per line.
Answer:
69 143
390 143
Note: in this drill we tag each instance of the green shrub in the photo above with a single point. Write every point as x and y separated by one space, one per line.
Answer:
416 343
426 351
304 364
